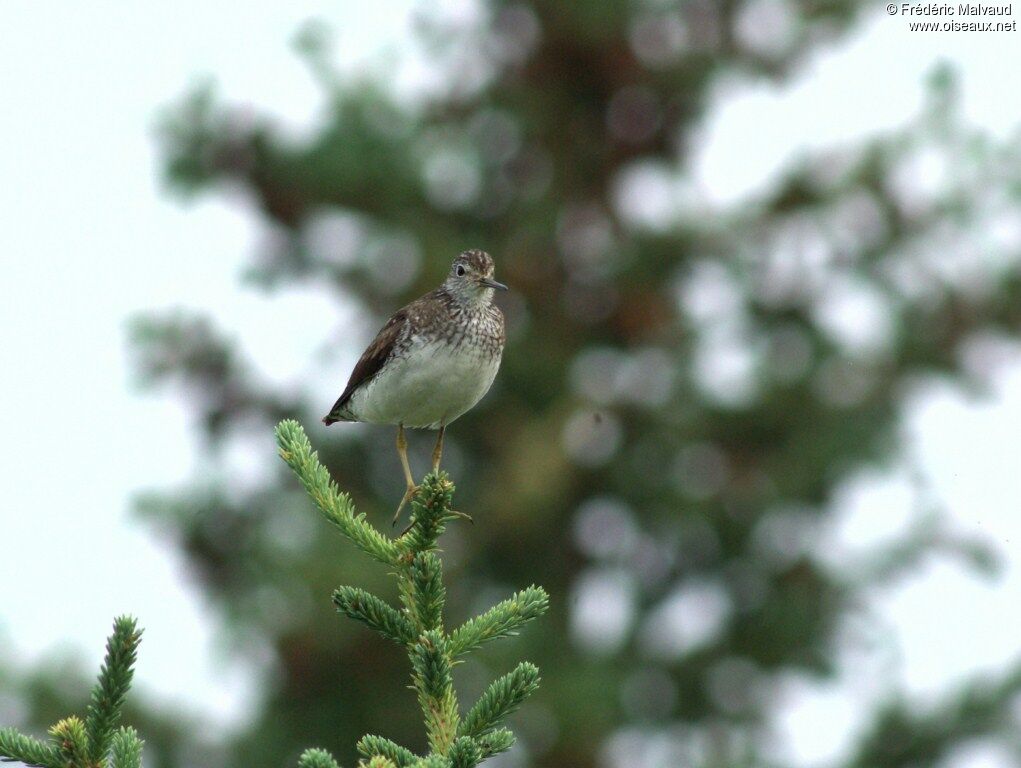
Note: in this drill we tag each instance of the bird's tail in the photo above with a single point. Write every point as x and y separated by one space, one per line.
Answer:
339 413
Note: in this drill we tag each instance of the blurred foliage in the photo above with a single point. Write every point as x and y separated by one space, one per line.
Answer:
684 389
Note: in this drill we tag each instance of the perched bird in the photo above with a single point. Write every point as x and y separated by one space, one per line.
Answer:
431 362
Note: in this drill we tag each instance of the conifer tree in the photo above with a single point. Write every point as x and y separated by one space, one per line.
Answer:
455 741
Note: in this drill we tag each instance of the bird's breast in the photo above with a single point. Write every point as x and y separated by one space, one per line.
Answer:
428 383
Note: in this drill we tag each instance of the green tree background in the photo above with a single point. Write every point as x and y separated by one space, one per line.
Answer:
674 412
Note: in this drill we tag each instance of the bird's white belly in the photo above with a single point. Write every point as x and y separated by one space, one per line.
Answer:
431 386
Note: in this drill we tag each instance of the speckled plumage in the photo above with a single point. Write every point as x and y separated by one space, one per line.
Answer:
435 358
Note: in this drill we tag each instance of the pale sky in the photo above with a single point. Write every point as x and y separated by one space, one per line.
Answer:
88 239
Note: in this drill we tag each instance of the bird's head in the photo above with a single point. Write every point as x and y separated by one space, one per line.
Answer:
471 278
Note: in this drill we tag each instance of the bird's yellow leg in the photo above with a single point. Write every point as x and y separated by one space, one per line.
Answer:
438 451
437 455
402 451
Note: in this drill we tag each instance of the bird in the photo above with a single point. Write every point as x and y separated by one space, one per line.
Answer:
431 362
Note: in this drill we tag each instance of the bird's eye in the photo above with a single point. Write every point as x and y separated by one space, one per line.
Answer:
459 271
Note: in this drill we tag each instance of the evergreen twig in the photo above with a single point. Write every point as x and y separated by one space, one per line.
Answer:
114 681
499 621
126 749
316 758
431 665
501 698
296 450
378 762
17 747
92 742
465 753
433 761
370 610
72 742
495 742
431 510
370 746
427 588
419 626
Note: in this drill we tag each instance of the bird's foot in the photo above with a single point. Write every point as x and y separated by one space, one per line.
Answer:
454 512
408 496
462 515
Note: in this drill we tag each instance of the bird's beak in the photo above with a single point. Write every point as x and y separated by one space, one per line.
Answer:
489 283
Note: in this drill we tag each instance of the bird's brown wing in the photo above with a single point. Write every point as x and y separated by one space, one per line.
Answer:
372 360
